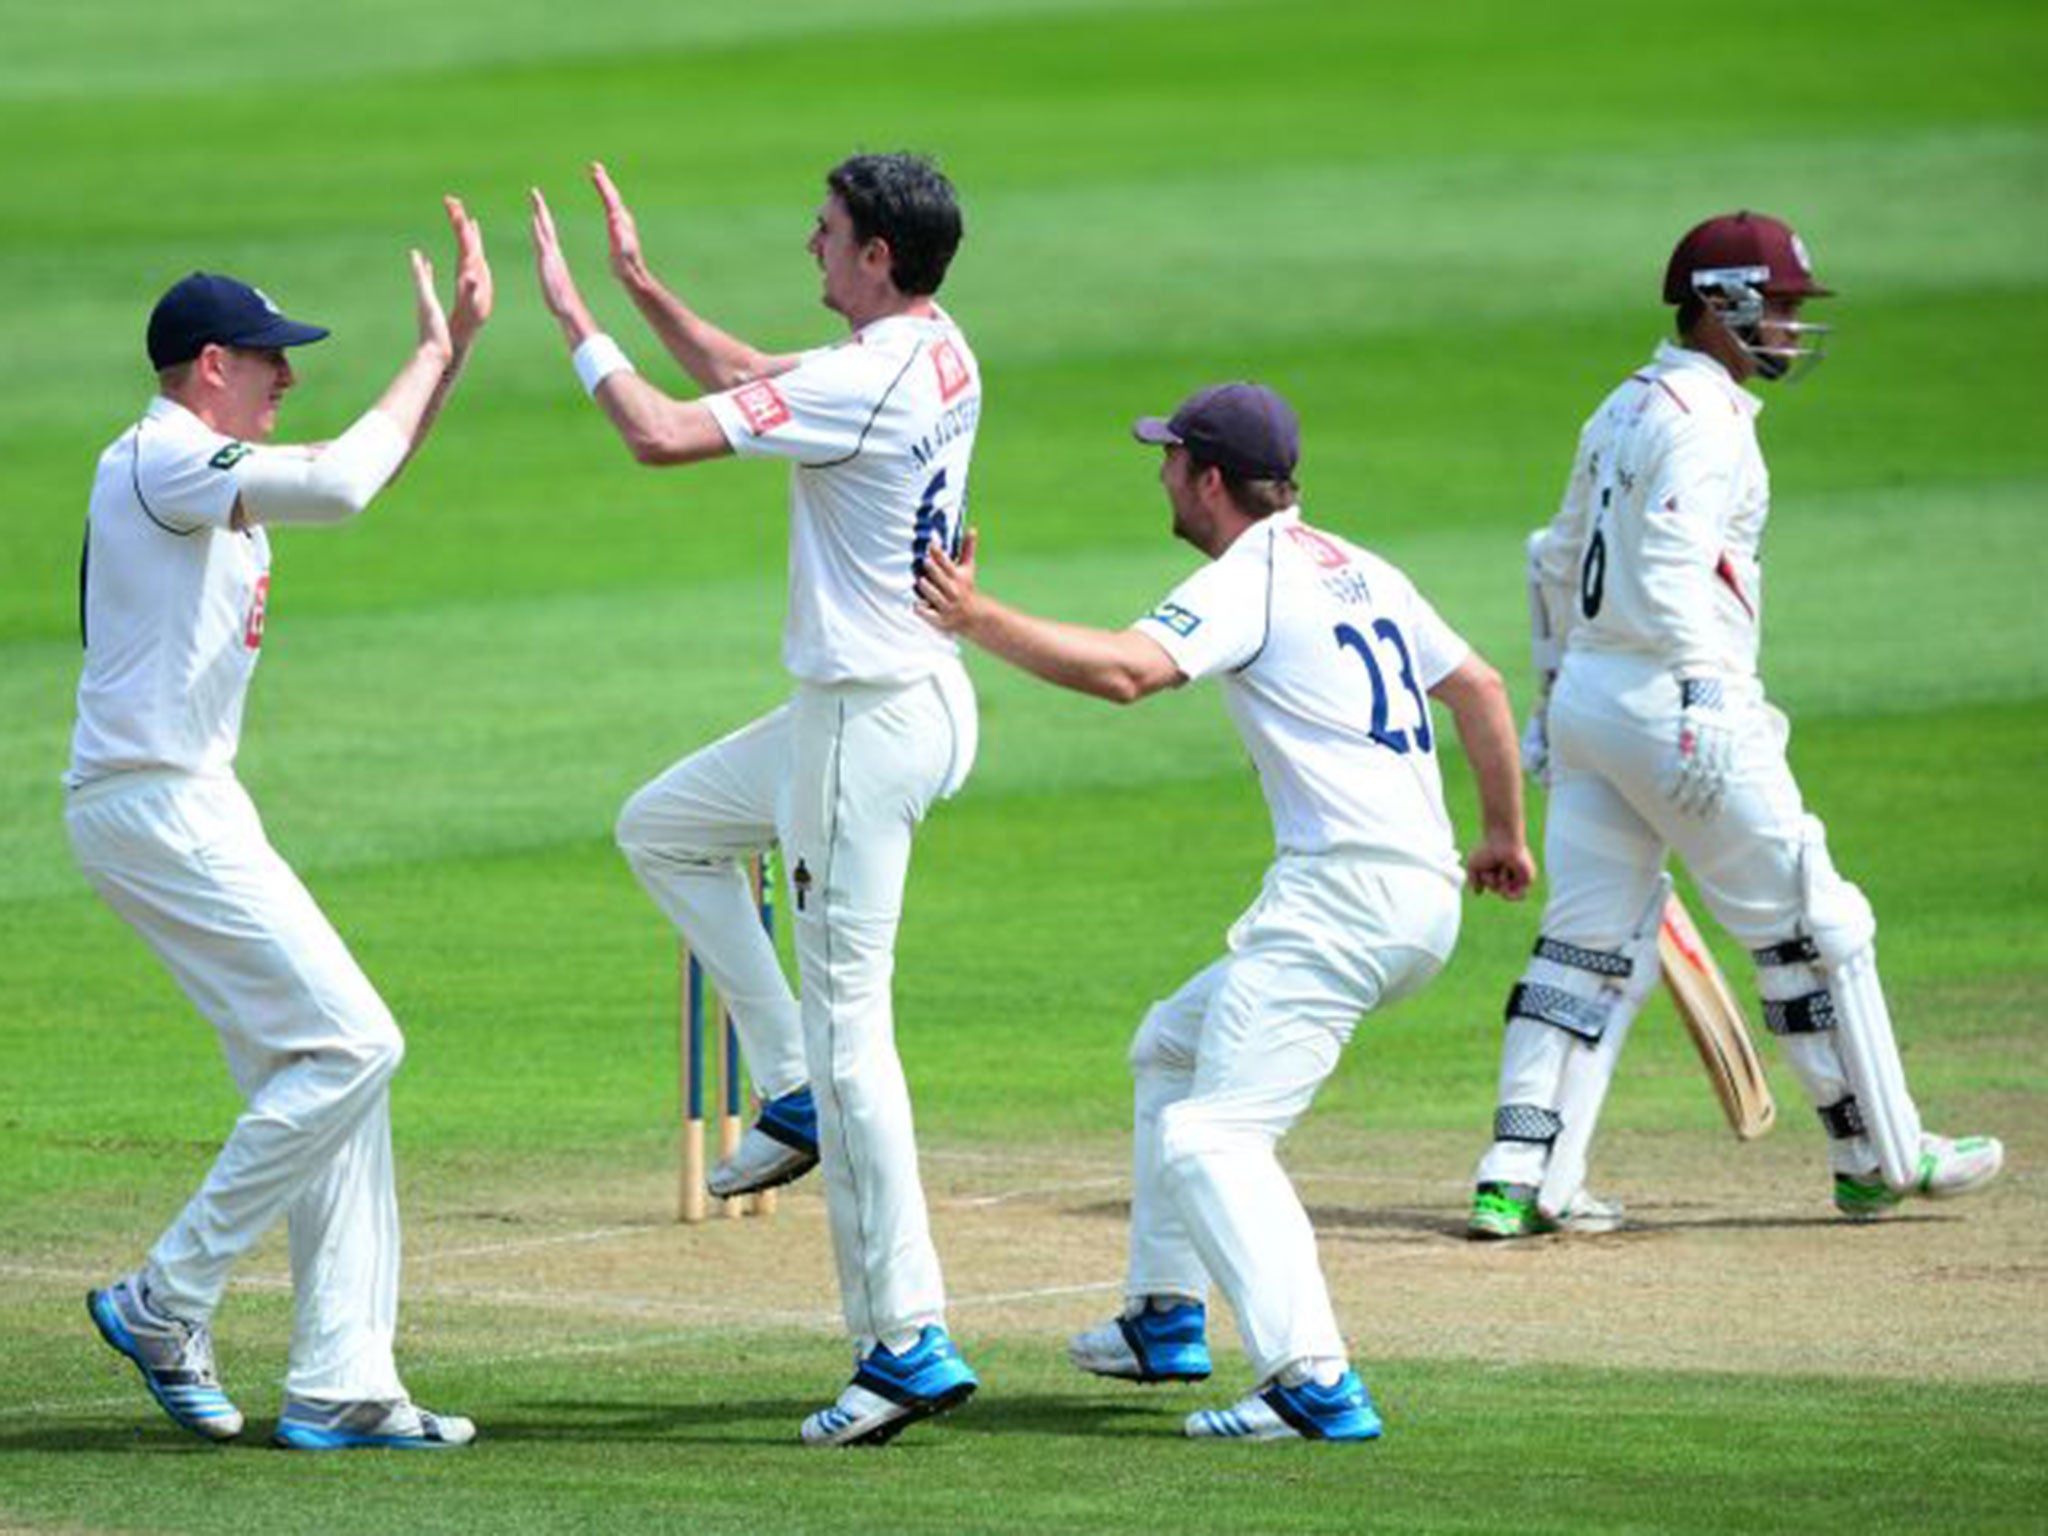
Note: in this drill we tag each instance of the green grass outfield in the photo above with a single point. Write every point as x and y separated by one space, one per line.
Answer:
1440 230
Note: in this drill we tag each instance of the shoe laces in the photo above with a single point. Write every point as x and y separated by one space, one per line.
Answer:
195 1350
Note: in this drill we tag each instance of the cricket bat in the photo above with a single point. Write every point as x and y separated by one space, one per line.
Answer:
1712 1017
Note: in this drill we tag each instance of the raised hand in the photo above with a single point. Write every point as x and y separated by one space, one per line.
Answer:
621 229
433 324
557 286
475 291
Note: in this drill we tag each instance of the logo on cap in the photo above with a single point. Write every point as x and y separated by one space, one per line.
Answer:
206 309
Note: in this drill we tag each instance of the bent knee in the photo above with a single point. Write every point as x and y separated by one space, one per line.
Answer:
1194 1131
377 1049
634 830
1154 1050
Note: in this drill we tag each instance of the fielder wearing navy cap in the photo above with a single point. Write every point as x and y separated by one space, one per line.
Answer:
208 309
1246 430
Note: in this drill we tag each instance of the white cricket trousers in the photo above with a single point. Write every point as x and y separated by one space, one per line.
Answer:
1609 826
840 776
311 1047
1227 1065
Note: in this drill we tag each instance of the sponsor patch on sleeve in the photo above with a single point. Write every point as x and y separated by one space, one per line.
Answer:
762 405
230 456
953 374
1176 618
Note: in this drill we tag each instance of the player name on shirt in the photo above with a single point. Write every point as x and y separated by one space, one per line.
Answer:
953 422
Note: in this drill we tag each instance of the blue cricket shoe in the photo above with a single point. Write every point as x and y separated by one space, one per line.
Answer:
1148 1343
891 1392
1341 1411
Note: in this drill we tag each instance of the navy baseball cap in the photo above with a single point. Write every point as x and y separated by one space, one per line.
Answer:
208 308
1244 429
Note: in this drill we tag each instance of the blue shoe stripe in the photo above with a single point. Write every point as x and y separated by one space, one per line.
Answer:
931 1371
307 1437
1168 1346
190 1405
791 1120
1343 1411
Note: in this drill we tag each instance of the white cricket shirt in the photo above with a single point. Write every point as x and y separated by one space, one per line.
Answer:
1327 654
171 601
879 430
1658 536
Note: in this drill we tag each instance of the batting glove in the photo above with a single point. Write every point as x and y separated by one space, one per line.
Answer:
1536 745
1706 747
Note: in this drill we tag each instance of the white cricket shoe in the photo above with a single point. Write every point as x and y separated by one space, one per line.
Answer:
1960 1165
1587 1212
401 1425
1950 1166
174 1355
1510 1210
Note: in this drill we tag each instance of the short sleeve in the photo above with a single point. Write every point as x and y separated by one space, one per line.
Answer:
1439 649
815 414
1217 618
186 481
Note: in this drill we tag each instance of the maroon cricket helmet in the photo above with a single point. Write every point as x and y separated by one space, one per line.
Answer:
1750 249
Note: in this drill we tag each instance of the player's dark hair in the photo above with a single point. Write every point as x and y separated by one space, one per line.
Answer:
1691 310
905 200
1254 498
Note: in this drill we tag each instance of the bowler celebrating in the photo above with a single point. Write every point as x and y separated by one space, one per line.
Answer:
879 431
173 596
1328 658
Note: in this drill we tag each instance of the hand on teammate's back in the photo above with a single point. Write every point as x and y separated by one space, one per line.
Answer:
945 586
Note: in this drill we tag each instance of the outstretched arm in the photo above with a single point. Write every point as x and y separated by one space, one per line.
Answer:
336 480
475 293
656 427
716 359
1478 702
1122 666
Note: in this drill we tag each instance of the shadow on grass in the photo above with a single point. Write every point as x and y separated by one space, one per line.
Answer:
124 1439
1335 1222
773 1421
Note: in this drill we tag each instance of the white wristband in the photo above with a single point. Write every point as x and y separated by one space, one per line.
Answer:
597 358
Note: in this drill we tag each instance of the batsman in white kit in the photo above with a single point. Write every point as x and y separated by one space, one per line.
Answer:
1646 596
1328 658
174 587
879 430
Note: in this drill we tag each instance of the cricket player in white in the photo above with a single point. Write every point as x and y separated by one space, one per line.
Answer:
173 593
879 430
1647 602
1328 658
